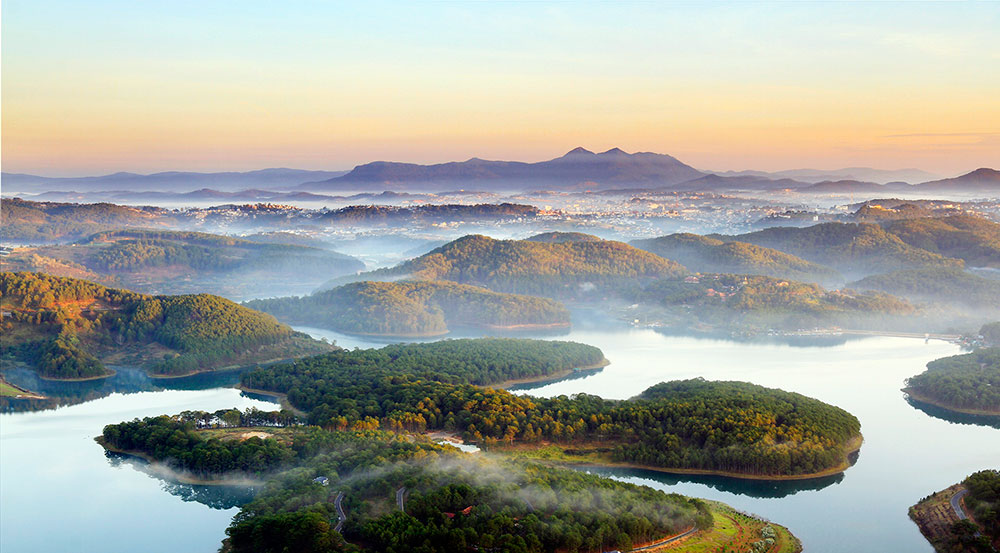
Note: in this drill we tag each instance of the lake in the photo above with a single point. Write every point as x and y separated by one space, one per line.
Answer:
62 492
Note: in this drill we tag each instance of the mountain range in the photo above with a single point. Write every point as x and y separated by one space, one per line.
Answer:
864 174
174 181
577 170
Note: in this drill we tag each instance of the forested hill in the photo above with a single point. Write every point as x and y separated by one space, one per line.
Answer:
44 222
760 302
949 286
854 249
972 239
405 308
163 261
969 382
133 250
478 361
732 427
573 268
711 255
62 326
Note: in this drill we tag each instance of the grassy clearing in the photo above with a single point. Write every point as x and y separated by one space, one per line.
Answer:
283 435
735 532
7 390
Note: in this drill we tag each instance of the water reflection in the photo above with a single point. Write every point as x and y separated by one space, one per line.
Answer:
798 341
215 497
126 380
952 416
575 375
750 488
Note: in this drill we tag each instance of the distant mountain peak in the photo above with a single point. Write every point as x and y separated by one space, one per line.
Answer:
614 152
579 150
983 172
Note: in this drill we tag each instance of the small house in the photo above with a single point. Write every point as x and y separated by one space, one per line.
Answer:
322 480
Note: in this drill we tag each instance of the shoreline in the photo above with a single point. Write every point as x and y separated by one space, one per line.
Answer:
529 326
281 397
548 377
78 379
412 335
232 368
226 369
24 393
915 396
854 445
173 475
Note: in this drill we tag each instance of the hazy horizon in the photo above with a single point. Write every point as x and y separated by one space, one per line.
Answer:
50 174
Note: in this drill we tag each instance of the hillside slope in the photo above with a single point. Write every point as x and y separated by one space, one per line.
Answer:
854 249
415 309
972 239
64 326
711 255
574 268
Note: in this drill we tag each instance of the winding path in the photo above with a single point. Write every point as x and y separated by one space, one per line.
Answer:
956 503
341 517
666 541
399 498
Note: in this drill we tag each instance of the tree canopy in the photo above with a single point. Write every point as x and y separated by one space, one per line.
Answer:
970 381
61 325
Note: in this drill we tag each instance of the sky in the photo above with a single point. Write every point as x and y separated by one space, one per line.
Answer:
97 87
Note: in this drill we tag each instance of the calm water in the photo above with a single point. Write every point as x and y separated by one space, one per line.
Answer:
61 492
907 453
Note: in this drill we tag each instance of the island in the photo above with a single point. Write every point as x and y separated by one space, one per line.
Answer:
967 383
416 309
964 518
70 329
727 428
372 490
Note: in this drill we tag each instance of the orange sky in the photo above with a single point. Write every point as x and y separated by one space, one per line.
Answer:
99 88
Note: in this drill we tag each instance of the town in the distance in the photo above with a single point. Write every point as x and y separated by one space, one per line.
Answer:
604 351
